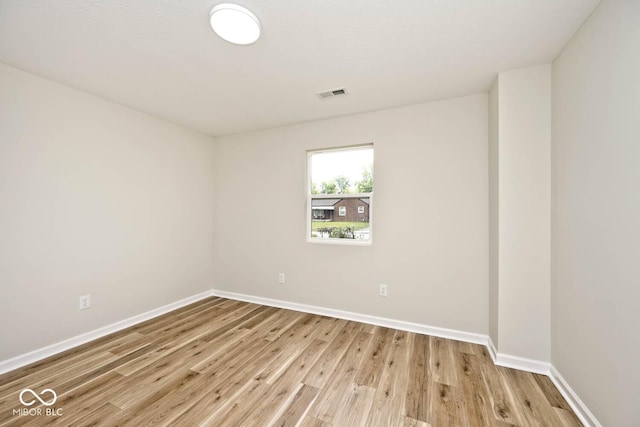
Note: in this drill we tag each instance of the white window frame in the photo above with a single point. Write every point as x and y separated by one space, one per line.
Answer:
360 209
342 211
309 196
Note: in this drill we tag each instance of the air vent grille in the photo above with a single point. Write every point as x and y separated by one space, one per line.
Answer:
331 93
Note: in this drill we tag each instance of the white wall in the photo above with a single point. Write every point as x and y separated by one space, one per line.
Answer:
494 217
430 216
524 230
596 213
95 199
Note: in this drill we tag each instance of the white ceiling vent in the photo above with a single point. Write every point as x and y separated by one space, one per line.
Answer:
332 92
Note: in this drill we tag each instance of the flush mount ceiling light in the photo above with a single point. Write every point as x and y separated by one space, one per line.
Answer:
235 24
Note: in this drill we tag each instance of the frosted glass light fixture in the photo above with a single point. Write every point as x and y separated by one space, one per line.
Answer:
235 24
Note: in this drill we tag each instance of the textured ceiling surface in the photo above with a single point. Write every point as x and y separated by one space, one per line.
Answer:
162 57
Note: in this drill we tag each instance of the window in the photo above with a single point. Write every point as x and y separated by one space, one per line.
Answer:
340 195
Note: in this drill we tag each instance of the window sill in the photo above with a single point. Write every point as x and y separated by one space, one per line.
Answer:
340 242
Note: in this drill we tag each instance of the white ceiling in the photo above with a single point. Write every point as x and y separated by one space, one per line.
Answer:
162 57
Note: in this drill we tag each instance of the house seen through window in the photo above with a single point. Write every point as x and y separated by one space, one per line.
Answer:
340 195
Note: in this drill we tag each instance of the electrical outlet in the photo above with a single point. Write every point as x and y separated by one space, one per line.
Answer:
383 290
84 302
281 278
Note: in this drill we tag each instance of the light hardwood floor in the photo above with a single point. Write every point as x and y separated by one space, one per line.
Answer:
228 363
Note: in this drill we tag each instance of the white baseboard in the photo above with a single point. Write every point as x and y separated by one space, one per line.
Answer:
59 347
492 349
357 317
516 362
522 363
578 406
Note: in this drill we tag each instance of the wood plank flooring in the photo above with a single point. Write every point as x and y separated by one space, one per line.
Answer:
221 362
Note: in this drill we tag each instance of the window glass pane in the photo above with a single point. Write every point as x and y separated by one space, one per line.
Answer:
341 189
340 218
342 171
